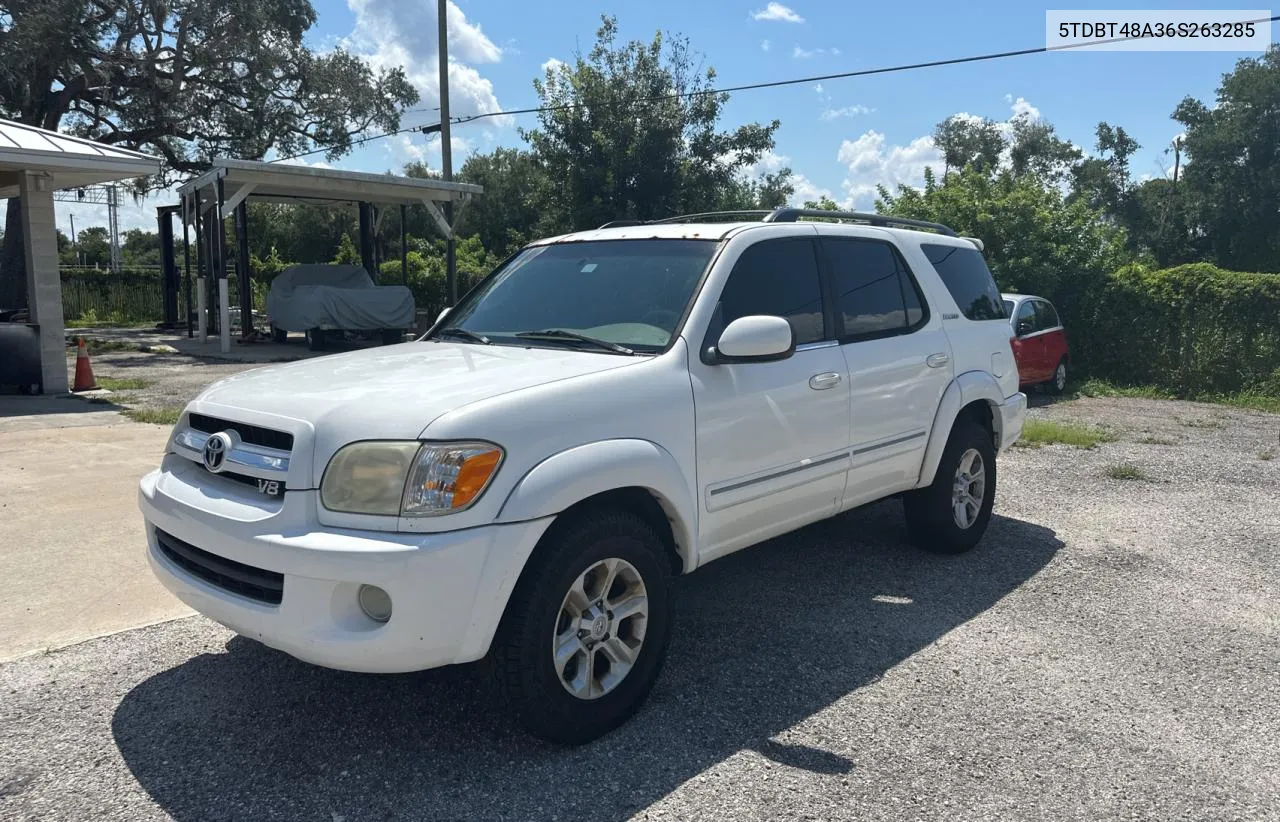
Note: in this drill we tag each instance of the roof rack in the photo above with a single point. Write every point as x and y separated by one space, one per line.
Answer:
791 215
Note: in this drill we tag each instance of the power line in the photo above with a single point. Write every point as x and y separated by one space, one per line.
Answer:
817 78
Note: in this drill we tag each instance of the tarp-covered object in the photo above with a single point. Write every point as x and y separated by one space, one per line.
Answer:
344 297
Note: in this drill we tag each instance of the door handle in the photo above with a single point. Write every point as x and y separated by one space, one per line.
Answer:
820 381
937 360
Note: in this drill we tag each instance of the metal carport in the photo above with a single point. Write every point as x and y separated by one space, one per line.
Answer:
227 187
34 163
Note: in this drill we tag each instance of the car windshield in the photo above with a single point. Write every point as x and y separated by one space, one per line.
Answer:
610 296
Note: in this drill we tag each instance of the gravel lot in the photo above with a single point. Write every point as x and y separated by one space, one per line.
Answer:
174 379
1111 650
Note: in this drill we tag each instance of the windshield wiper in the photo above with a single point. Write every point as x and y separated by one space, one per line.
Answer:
561 334
462 332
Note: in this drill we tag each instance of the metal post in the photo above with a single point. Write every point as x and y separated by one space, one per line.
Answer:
446 149
404 247
242 268
366 240
224 307
186 267
202 258
168 266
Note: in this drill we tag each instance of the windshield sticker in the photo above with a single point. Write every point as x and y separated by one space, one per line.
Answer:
588 268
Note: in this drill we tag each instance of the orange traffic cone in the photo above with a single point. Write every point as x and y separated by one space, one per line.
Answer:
84 371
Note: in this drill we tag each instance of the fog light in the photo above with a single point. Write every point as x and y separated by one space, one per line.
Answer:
375 602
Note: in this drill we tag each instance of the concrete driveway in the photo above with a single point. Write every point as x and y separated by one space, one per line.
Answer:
73 541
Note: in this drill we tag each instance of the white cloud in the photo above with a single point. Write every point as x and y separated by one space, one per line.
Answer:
818 88
777 11
408 148
805 54
845 111
807 191
871 163
1020 107
765 45
553 65
303 161
382 36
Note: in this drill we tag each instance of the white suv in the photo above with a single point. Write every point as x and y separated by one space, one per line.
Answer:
606 410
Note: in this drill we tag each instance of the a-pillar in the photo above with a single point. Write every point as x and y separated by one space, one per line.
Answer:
44 285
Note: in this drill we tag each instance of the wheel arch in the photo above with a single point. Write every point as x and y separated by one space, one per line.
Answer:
974 395
636 475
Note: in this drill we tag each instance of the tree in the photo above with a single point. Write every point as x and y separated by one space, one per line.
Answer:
1035 148
140 248
968 141
617 141
184 79
94 246
1233 164
507 215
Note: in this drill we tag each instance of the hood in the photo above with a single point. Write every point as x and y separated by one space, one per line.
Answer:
395 391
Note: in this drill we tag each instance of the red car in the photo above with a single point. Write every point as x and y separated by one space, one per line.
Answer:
1039 341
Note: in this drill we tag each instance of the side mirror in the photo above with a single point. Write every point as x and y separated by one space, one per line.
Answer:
1023 328
759 338
444 312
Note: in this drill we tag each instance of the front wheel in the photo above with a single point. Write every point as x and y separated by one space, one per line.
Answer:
951 514
315 339
585 634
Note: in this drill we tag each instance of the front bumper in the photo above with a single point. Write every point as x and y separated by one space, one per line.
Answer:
1013 416
448 590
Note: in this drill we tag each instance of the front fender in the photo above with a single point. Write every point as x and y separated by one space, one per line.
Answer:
571 476
969 387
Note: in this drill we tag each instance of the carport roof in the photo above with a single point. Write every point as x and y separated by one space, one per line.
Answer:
290 183
70 162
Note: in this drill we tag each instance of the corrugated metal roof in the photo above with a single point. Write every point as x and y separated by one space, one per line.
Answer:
64 161
19 136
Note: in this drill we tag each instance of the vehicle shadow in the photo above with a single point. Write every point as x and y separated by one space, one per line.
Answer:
764 639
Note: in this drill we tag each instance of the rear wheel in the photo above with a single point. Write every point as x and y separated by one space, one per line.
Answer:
951 515
315 339
585 634
278 334
392 336
1058 382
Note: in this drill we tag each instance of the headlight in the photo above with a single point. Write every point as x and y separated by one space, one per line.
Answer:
408 478
449 477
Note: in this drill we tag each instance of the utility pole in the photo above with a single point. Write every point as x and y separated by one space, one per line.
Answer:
446 149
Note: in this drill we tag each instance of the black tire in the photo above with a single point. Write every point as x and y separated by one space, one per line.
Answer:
521 661
1058 382
931 520
315 339
278 334
391 337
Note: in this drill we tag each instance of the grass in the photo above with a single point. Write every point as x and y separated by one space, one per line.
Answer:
1252 400
1200 422
122 383
167 415
1127 471
99 346
1045 432
1152 439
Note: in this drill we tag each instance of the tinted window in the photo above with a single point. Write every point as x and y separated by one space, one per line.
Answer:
1047 317
778 277
967 277
1026 314
1008 307
873 292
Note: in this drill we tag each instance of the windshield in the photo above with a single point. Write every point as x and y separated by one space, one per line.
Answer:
622 296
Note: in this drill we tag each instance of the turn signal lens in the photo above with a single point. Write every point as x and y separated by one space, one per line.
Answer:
449 477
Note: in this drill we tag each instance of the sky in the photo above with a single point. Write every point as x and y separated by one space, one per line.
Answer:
841 138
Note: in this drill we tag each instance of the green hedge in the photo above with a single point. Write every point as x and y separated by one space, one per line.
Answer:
1195 329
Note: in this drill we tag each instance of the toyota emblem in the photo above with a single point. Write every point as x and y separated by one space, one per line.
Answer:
216 449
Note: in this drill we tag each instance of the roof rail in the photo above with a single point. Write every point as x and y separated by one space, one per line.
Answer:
758 213
791 215
621 223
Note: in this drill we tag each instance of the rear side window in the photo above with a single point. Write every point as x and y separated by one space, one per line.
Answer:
1046 315
777 277
874 293
967 277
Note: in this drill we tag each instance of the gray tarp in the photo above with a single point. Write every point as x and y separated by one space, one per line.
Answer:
303 297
